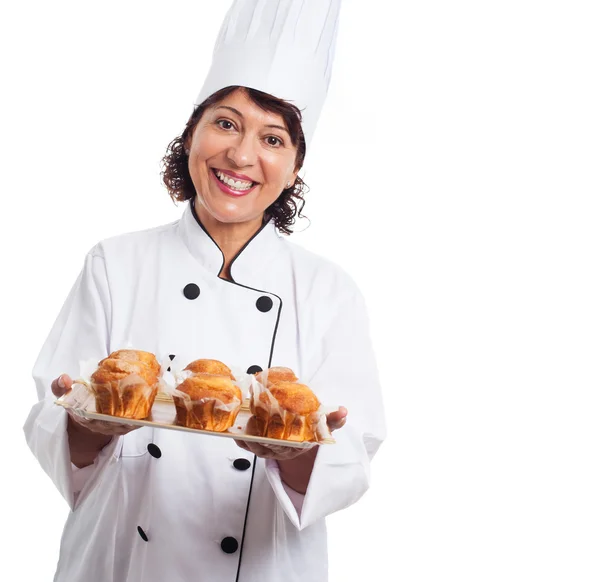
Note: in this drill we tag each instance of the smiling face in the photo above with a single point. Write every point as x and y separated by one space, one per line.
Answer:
241 158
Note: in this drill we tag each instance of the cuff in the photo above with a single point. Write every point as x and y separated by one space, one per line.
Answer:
290 500
81 476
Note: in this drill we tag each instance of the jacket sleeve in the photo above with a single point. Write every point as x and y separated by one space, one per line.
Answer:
343 372
81 332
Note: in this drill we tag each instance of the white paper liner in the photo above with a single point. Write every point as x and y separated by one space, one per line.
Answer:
177 375
82 395
83 392
317 421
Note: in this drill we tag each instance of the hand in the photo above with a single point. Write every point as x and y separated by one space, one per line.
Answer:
61 386
335 421
275 452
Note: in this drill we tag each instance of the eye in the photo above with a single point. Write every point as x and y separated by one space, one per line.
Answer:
274 141
225 124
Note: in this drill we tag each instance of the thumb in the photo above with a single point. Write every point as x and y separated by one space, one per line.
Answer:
337 419
61 385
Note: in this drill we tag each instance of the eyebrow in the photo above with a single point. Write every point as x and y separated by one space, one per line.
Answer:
240 114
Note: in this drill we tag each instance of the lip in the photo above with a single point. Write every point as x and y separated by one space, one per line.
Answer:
234 175
229 191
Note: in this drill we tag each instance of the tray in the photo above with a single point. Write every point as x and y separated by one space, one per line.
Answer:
163 415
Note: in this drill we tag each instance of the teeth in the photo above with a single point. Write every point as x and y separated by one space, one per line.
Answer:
235 184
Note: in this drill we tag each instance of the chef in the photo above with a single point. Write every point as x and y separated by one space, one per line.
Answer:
224 283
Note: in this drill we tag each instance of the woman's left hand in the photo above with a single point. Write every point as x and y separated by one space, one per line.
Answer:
335 421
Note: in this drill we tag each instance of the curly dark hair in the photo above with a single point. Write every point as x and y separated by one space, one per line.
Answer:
176 176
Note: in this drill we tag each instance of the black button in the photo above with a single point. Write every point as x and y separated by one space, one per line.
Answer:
191 291
154 451
253 369
229 545
242 464
264 304
143 534
171 357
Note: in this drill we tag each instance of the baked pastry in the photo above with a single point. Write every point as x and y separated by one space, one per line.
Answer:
284 410
207 401
276 374
210 367
125 384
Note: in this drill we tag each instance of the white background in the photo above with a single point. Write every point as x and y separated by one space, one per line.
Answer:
454 174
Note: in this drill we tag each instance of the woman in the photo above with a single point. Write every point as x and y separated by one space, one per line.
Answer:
220 283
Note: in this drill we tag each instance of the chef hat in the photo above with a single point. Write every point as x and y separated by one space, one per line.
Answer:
281 47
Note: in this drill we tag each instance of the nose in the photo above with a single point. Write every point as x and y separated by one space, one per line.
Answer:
243 152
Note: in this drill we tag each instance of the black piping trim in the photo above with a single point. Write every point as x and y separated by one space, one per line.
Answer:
244 247
237 575
233 282
207 234
219 248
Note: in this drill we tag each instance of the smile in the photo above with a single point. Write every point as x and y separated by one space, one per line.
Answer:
241 186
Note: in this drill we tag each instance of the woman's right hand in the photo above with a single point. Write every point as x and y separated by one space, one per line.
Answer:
61 386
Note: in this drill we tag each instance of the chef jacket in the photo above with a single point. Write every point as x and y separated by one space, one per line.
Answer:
164 505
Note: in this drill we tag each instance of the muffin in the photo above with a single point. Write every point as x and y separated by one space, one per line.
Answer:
205 400
210 367
125 384
276 374
285 410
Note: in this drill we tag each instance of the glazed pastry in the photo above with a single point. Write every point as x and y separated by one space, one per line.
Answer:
210 367
274 375
208 401
125 384
285 410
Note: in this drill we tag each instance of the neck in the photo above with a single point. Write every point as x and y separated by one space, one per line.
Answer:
230 237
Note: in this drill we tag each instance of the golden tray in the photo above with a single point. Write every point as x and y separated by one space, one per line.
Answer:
163 415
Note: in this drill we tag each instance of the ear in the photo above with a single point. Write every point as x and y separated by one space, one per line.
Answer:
292 179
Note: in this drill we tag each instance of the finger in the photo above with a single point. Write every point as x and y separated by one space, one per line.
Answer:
109 431
337 419
58 387
242 445
77 417
100 426
281 450
287 453
259 450
110 428
336 425
61 385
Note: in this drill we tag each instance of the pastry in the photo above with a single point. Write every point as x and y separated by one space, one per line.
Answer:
125 384
284 410
210 367
277 374
207 401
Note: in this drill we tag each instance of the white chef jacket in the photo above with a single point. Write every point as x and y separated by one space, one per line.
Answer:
162 505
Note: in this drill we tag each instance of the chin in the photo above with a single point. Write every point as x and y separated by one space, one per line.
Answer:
229 214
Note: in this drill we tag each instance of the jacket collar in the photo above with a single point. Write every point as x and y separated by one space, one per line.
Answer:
246 267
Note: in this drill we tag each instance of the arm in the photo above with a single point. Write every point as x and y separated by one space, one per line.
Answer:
80 332
342 372
84 445
296 472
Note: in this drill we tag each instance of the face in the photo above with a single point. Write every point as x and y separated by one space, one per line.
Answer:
241 159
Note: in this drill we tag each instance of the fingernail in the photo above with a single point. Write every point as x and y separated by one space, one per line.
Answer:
61 382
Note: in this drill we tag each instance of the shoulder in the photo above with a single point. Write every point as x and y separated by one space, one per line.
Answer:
133 244
319 274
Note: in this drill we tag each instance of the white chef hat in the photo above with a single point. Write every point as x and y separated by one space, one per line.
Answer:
281 47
